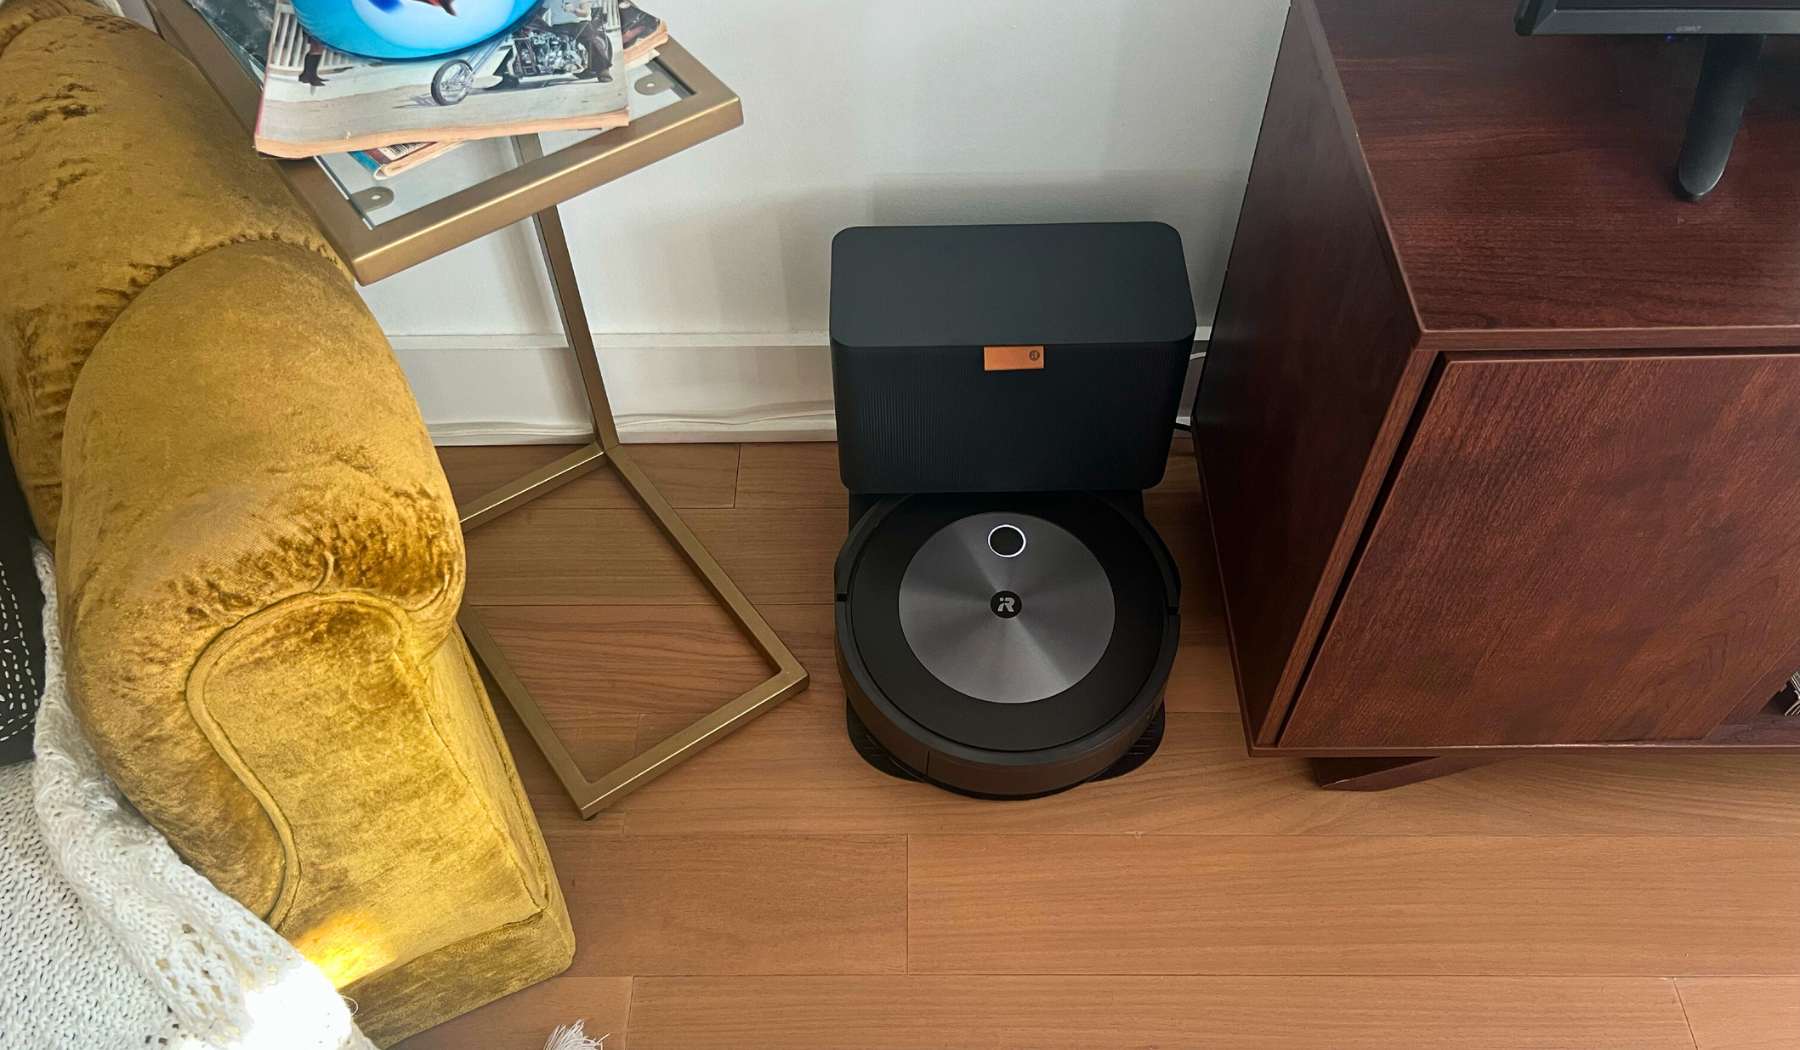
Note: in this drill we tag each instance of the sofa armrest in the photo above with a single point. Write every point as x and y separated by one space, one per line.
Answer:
260 566
240 441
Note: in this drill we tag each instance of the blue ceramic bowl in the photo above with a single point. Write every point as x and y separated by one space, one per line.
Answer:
407 28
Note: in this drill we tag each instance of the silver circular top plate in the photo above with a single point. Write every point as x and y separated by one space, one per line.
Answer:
1064 617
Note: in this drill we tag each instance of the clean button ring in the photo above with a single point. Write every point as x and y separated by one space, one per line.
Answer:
1007 541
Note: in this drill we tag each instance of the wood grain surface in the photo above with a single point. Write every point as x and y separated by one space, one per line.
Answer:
757 904
525 1019
1574 549
688 476
1308 379
777 892
1742 1013
1448 904
793 775
802 474
1218 1013
1527 182
583 556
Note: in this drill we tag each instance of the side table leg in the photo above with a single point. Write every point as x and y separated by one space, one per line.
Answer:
788 677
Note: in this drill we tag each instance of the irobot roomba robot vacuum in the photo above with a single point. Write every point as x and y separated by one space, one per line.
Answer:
1006 617
1005 645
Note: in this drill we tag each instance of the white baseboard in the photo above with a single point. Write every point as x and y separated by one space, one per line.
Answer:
524 389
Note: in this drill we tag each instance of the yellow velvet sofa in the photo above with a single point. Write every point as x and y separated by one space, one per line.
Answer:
257 555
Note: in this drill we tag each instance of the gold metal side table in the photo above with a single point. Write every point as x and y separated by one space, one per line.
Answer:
381 228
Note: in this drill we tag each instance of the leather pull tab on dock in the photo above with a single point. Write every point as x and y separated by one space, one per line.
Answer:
1011 358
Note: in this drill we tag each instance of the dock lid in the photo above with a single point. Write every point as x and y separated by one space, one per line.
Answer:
1048 284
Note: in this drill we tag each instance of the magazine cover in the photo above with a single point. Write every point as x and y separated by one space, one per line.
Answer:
245 26
554 71
384 162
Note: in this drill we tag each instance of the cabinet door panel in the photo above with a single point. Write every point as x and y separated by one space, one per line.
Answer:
1573 549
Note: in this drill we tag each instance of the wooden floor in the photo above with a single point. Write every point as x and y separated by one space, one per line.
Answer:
777 892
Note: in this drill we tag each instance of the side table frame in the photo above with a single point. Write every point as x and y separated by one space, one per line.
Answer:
789 678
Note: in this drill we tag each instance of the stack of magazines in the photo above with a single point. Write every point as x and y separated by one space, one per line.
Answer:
562 68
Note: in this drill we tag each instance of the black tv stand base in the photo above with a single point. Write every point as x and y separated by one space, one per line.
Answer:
1727 80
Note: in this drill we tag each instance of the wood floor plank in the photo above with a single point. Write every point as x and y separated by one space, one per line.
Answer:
596 748
1181 477
1102 1013
525 1019
581 660
688 476
537 556
1462 905
793 771
799 474
1202 679
1177 513
778 557
561 556
663 904
1742 1013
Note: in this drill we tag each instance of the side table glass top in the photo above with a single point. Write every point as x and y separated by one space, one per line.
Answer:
378 201
380 227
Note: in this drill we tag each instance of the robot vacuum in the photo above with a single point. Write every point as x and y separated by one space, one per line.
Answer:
1006 645
1006 617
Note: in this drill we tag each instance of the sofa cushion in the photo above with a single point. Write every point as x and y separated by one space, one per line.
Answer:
117 164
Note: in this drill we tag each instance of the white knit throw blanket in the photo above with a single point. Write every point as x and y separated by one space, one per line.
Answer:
108 940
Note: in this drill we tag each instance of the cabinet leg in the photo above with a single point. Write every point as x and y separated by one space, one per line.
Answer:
1379 774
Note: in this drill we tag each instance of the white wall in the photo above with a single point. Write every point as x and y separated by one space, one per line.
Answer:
707 273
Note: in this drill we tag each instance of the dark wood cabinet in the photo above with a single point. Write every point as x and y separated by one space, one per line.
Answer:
1500 438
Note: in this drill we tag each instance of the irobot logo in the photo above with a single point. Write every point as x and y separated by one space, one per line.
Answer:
1005 604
